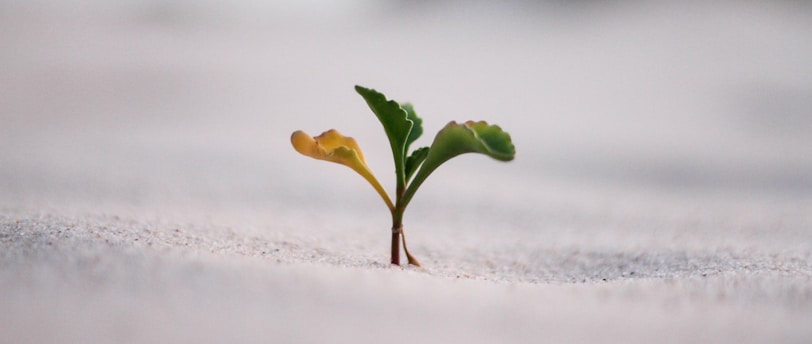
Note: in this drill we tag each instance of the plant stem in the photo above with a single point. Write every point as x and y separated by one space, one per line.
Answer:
397 219
397 229
397 235
396 232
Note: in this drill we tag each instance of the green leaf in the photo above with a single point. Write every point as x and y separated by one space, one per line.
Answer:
459 138
395 122
414 161
417 128
416 158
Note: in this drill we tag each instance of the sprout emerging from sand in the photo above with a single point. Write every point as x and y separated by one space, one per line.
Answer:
403 127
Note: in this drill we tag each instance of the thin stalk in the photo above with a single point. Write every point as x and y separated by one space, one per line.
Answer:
411 259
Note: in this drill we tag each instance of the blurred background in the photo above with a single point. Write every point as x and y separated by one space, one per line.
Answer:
183 102
662 186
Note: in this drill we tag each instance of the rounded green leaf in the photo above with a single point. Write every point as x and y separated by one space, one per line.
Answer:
460 138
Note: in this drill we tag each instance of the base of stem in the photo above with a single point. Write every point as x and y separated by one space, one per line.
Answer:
395 247
397 234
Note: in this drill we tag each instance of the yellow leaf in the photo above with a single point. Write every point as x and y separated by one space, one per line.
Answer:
334 147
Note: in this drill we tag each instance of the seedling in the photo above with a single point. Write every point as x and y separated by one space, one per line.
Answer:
403 127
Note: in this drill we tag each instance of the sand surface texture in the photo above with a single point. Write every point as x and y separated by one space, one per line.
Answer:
662 190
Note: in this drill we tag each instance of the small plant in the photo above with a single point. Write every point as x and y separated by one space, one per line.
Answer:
403 127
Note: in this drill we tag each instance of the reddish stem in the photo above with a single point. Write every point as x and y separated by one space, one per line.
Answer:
396 246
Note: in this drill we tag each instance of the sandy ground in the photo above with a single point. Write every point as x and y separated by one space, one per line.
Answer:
662 190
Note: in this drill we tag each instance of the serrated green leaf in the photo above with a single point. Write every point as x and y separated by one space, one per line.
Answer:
417 127
396 124
414 161
459 138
